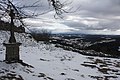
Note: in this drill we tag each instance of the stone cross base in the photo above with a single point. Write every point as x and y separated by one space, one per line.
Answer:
12 52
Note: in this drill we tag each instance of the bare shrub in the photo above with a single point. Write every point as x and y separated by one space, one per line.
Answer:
42 35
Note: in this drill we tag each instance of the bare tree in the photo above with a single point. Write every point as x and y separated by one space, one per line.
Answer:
13 13
41 35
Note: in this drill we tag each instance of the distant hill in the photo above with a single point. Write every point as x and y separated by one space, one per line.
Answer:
6 26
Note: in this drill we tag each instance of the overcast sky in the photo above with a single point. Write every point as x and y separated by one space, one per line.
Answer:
93 16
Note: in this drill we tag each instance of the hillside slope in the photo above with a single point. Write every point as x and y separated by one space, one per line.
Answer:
47 62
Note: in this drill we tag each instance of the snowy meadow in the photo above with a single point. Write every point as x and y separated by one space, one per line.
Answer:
47 62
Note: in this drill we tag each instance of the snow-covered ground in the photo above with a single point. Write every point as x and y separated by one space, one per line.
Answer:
50 63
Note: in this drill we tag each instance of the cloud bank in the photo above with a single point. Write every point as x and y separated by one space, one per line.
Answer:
93 16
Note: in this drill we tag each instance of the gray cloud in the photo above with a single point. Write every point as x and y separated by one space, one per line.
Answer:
74 24
92 15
